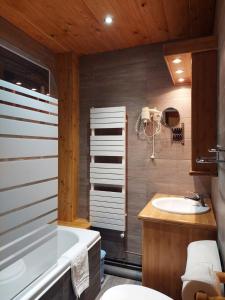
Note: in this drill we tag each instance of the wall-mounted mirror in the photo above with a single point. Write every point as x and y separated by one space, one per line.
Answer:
170 117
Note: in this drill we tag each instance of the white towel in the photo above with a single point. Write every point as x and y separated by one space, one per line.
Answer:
78 257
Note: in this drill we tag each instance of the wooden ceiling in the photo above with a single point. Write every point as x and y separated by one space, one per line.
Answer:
77 25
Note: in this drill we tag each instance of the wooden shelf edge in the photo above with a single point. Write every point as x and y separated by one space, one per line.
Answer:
79 223
203 173
191 45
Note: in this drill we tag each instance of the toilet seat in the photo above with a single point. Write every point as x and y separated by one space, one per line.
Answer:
133 292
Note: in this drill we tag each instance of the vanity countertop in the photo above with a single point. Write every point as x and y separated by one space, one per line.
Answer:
150 213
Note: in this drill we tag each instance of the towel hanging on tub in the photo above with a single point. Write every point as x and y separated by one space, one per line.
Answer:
78 257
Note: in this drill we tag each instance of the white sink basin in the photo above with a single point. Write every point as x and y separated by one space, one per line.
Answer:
179 205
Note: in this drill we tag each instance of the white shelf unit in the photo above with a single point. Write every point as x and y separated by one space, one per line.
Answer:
108 208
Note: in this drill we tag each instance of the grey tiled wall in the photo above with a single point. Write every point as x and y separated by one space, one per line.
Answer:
135 78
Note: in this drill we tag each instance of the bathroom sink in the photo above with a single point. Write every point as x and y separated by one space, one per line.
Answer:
179 205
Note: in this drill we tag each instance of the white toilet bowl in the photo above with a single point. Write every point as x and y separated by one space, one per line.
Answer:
133 292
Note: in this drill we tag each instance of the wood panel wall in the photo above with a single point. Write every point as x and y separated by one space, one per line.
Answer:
218 183
138 77
68 86
204 109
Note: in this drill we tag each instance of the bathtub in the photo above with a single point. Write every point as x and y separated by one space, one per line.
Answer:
33 275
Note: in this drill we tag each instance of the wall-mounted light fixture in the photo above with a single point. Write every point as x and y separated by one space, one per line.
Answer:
179 71
177 61
179 68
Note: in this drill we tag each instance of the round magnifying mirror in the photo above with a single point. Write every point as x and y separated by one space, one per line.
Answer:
170 117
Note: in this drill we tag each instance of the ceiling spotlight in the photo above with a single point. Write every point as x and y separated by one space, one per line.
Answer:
108 20
33 89
177 61
19 83
181 79
179 71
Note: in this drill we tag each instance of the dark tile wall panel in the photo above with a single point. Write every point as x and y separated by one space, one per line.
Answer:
135 78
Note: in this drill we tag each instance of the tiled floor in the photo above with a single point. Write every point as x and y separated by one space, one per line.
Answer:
111 281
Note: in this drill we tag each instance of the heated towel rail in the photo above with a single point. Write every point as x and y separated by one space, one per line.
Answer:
108 168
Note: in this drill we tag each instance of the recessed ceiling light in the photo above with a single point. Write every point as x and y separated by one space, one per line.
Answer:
108 20
19 83
33 89
181 79
179 71
177 61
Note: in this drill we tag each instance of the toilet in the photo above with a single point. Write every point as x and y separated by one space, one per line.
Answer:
133 292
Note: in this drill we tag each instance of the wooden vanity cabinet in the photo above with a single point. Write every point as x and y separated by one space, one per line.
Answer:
165 238
204 110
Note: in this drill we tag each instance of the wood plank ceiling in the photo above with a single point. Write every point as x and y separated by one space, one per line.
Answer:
77 25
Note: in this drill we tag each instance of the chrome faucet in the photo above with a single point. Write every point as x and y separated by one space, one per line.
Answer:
196 197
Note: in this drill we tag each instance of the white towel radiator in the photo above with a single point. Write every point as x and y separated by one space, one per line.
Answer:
107 206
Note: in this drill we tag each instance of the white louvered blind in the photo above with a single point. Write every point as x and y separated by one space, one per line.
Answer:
28 170
107 207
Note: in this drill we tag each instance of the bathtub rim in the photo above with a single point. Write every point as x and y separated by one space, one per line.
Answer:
43 283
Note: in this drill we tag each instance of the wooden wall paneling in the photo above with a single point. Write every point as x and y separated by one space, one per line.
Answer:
79 25
184 65
68 85
218 190
204 109
183 50
200 12
191 45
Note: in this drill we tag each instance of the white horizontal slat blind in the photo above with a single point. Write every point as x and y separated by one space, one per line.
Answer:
20 172
28 170
15 148
22 90
19 232
7 127
13 98
18 112
108 208
24 196
14 219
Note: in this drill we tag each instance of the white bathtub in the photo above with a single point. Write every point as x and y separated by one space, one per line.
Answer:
31 276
